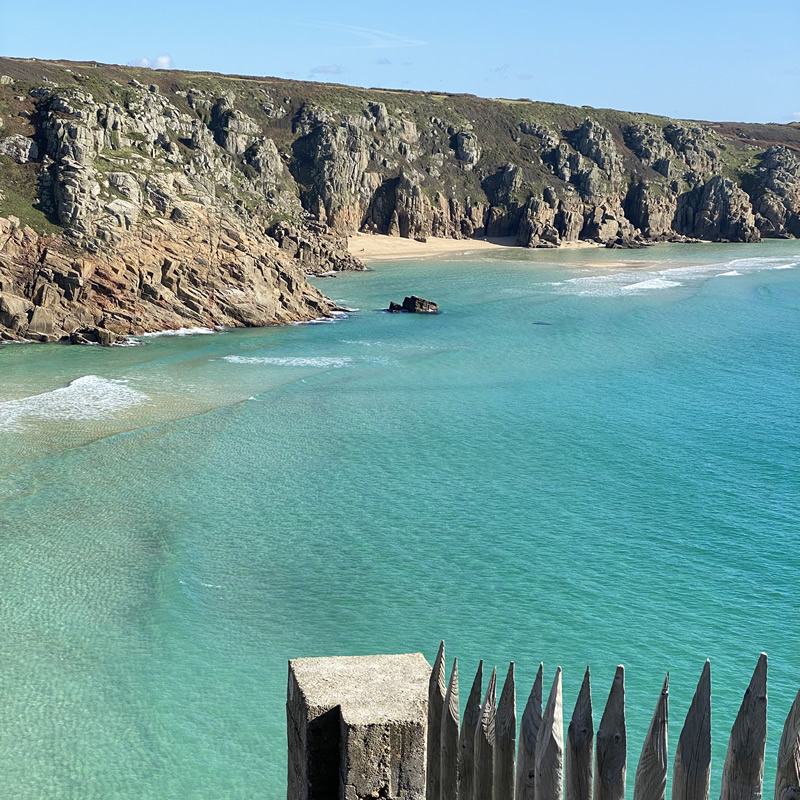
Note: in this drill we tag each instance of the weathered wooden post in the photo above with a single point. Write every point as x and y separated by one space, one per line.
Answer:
691 772
528 731
466 738
449 738
611 746
436 693
484 744
580 746
506 739
548 782
743 773
787 777
651 774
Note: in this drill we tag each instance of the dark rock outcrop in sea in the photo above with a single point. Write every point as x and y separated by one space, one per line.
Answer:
137 200
413 305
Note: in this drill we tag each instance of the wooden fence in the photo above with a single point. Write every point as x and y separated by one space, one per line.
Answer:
478 757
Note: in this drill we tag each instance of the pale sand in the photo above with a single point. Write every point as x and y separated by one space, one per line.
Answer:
372 247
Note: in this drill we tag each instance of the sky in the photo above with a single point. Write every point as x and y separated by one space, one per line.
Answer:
736 60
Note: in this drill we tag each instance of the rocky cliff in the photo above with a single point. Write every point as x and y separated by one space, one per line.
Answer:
138 200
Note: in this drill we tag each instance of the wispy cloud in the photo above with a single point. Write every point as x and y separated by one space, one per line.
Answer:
327 69
383 61
159 62
525 76
796 115
372 39
501 70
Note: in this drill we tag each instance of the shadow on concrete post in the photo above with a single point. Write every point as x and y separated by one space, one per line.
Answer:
356 727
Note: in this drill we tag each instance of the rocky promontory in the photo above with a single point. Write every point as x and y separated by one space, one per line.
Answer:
134 200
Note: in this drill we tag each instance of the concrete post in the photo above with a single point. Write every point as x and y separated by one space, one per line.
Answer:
356 727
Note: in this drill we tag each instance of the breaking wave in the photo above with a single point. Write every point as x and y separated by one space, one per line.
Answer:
88 398
292 361
181 332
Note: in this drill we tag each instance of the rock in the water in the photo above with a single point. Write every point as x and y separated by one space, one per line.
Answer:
418 305
95 335
414 305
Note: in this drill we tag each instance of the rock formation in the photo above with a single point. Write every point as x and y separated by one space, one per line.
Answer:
136 200
414 305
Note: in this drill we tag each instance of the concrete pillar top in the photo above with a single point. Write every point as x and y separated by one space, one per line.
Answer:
369 689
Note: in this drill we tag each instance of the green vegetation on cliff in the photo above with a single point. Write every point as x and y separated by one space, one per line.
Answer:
114 156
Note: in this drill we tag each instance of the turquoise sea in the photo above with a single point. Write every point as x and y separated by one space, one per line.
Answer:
589 456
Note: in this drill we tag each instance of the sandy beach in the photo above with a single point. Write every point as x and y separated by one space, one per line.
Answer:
372 247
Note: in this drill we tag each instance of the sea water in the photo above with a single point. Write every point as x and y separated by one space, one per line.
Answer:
588 457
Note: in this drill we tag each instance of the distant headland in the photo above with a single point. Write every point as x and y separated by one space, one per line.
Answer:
135 200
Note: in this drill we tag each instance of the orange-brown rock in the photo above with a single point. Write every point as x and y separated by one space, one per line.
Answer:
200 271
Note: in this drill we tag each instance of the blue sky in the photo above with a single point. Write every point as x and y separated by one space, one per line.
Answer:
699 59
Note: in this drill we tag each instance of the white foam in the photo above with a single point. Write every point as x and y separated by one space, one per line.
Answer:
608 285
88 398
738 266
180 332
652 283
626 282
335 317
292 361
317 321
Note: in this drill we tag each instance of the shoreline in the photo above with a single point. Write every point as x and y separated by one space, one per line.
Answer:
380 247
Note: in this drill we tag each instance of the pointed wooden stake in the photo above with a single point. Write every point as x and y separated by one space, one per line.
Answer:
580 745
743 773
449 739
528 731
506 739
548 782
484 744
692 770
787 777
436 693
609 778
651 774
466 739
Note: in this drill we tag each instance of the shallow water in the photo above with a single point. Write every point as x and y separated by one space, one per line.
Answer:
588 457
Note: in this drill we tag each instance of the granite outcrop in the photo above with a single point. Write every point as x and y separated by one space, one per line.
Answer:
137 200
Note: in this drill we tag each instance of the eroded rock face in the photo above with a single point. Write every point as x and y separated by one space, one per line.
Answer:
718 210
648 143
148 243
196 272
246 186
777 196
467 150
19 148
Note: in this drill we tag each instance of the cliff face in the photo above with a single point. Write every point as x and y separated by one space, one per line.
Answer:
203 200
